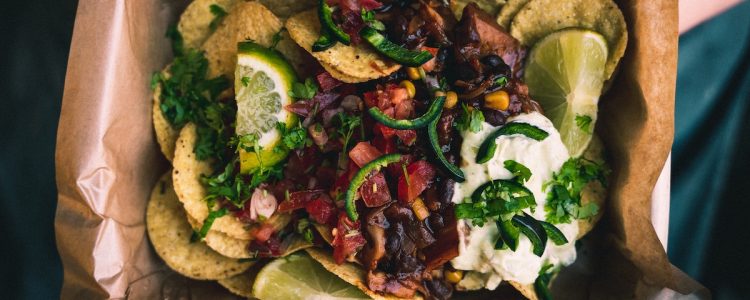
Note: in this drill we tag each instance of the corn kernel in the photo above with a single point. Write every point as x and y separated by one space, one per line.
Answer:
453 276
420 210
498 100
413 73
451 99
410 89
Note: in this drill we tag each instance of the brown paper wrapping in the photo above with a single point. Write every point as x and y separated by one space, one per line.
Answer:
107 159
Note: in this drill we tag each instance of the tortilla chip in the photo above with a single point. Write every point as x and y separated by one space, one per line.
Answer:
166 135
287 8
594 191
302 61
242 284
191 192
355 63
492 7
223 244
349 272
527 290
542 17
248 21
170 234
194 24
509 10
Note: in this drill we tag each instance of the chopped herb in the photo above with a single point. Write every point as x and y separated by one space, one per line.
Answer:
178 47
219 14
277 37
188 96
584 123
501 81
470 119
564 196
368 17
245 80
212 216
495 200
305 90
520 172
303 228
292 138
348 123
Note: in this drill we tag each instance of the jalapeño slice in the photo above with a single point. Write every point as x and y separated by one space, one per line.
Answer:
502 189
324 42
509 234
361 176
488 147
554 233
325 14
395 52
454 171
433 112
531 228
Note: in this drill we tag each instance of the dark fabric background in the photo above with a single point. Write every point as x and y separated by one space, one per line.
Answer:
708 236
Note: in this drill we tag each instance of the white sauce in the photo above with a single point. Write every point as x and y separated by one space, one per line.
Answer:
476 244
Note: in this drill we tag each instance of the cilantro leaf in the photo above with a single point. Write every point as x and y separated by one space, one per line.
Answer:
212 216
584 123
520 172
292 138
368 17
501 81
178 46
470 119
564 196
305 90
219 14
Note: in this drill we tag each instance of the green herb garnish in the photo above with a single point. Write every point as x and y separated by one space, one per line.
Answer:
470 120
564 196
305 90
584 123
520 172
219 14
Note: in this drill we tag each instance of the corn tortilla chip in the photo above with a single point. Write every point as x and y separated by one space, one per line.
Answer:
349 272
223 244
248 21
542 17
166 135
509 10
242 284
194 24
356 63
527 290
191 192
492 7
287 8
170 234
302 61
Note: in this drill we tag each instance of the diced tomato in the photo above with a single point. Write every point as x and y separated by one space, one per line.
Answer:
326 81
371 98
384 131
430 64
342 183
270 247
374 191
299 199
404 109
385 145
348 238
322 210
397 94
363 153
407 136
420 174
263 232
396 170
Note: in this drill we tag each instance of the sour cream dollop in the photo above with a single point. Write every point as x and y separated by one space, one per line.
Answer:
489 267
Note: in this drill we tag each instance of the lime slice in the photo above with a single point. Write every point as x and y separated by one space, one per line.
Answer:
262 81
565 72
298 276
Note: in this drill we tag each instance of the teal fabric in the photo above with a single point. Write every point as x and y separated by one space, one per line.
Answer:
709 235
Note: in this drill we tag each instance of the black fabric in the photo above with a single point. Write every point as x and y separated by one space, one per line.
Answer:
708 235
33 56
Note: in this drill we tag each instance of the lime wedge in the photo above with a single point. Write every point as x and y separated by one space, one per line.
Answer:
262 81
298 276
565 72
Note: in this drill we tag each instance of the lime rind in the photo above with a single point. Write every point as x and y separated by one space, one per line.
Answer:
565 74
263 78
298 276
